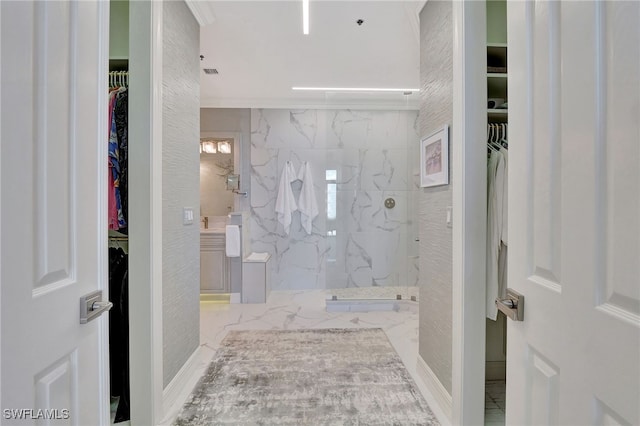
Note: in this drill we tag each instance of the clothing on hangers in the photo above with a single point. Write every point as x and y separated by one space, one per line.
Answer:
496 272
495 174
119 331
118 159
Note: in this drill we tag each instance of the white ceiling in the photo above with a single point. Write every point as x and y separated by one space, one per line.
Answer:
260 53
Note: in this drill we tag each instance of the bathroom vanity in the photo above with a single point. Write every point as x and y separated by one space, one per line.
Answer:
214 265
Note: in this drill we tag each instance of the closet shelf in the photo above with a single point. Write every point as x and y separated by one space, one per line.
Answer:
501 111
496 75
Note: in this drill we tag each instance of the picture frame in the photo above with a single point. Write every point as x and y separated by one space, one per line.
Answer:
434 159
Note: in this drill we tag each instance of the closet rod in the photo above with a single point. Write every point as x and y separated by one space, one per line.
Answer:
118 238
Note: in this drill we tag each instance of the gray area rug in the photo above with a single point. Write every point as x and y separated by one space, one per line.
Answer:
306 377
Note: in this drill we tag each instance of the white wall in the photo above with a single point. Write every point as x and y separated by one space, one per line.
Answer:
436 256
180 186
119 29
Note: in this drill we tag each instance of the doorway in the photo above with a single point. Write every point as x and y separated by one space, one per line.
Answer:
219 193
497 214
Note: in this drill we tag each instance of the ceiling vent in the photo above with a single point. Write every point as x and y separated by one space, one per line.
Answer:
210 71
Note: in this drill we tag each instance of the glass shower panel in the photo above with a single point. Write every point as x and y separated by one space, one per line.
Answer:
370 202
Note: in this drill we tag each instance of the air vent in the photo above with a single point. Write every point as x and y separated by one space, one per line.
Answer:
210 71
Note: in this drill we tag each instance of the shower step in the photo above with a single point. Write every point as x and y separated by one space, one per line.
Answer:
370 305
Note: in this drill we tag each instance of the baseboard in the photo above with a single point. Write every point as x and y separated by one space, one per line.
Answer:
440 394
235 298
175 388
496 370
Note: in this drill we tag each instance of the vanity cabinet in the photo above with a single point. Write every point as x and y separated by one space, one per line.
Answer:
214 265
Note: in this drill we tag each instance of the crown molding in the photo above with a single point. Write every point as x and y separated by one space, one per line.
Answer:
202 11
408 105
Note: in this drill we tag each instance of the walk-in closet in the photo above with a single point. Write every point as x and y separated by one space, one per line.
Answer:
497 183
117 210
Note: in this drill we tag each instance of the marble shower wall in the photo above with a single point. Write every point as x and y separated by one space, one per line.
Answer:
358 159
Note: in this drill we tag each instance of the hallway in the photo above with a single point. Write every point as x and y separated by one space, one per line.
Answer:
290 310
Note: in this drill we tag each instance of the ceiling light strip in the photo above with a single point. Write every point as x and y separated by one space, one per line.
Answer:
354 89
305 17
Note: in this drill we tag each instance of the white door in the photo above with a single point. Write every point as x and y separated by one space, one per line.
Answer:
53 211
574 212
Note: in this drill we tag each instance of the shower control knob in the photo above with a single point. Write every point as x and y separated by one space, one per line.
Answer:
389 203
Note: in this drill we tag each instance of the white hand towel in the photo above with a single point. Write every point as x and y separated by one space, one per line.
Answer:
307 203
232 241
285 203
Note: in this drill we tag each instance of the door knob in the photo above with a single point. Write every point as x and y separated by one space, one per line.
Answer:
92 306
512 306
101 306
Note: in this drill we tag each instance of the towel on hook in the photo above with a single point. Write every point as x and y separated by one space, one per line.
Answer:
307 203
232 241
285 203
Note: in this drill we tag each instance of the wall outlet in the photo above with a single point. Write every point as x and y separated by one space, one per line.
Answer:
449 217
187 216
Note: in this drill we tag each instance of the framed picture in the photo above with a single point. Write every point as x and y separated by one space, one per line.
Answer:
434 159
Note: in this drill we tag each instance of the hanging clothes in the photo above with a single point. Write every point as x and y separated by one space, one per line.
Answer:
495 200
505 155
119 331
307 203
285 202
117 148
121 117
117 145
502 256
112 208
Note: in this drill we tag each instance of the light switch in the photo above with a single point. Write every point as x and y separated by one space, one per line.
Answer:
449 216
187 216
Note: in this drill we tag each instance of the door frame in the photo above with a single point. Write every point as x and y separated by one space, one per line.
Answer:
145 212
0 204
102 220
469 212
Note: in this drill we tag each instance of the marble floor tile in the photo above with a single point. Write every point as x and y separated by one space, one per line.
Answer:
494 408
291 310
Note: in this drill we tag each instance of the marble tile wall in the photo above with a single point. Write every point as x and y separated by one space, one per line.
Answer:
358 159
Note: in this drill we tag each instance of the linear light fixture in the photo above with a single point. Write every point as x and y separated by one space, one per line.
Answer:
305 17
354 89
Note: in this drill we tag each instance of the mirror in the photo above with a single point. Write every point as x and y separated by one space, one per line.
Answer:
233 182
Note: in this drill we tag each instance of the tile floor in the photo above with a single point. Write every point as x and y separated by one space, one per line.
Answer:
287 310
494 403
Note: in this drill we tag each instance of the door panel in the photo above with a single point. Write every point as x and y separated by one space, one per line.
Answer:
574 212
545 172
53 143
53 229
619 160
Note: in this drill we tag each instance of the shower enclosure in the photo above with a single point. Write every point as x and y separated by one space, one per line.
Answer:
365 174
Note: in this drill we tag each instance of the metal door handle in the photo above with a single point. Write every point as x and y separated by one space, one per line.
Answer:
92 306
101 306
512 306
